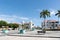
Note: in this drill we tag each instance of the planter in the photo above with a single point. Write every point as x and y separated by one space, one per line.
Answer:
5 31
22 31
32 29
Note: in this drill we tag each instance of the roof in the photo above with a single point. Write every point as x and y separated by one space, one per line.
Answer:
50 21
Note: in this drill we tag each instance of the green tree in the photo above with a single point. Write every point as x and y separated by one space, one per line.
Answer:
3 23
44 14
58 14
10 25
13 25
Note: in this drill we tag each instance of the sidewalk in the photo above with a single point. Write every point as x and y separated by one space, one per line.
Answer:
25 38
48 34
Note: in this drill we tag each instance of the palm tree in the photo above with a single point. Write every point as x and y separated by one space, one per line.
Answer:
58 14
44 14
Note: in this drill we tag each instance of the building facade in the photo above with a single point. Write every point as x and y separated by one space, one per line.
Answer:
50 24
28 25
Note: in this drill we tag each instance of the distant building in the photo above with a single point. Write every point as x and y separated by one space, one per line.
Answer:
28 25
50 24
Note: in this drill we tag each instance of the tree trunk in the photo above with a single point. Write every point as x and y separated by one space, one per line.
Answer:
58 23
44 24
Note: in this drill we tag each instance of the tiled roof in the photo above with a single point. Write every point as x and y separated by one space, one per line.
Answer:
51 21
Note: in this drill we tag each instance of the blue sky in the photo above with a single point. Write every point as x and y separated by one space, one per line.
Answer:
27 10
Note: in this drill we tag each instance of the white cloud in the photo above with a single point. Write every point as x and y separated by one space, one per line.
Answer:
53 12
24 18
12 18
18 19
21 18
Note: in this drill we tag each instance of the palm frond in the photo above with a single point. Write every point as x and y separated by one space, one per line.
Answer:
44 14
58 14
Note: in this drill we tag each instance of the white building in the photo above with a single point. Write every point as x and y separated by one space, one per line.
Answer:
50 24
29 25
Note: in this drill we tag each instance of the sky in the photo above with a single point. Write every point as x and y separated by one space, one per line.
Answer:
27 10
